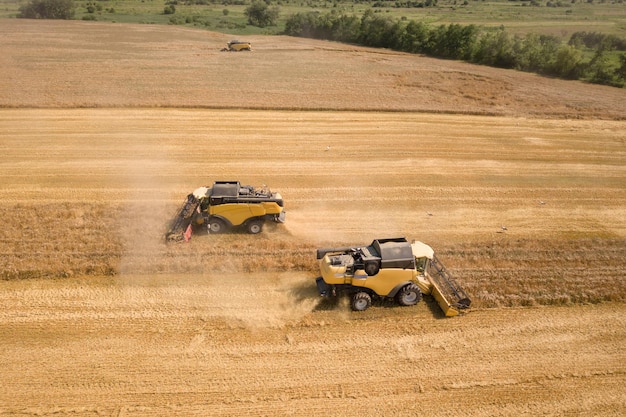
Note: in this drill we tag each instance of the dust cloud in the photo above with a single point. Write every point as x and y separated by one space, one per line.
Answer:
197 275
145 213
262 300
251 301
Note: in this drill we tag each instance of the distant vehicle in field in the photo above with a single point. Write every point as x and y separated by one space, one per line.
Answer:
226 205
388 268
237 46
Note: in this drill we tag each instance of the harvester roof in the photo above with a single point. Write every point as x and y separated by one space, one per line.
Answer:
421 250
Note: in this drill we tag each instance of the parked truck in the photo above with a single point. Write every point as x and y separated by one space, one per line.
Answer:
389 269
224 206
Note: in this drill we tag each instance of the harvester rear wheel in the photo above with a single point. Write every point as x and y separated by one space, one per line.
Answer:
217 226
409 295
360 301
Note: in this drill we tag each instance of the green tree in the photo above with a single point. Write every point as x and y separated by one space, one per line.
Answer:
414 37
48 9
375 30
496 49
261 15
305 25
568 62
599 69
620 72
536 53
456 41
346 28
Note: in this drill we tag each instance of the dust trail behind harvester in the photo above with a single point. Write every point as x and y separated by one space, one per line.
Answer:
251 301
260 300
197 274
145 214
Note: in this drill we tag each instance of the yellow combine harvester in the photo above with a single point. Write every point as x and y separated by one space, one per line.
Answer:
237 46
224 206
389 268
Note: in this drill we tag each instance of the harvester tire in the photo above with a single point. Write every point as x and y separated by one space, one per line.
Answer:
217 226
360 301
409 295
254 226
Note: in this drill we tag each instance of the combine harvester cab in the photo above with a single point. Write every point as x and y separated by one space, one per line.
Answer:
389 268
224 206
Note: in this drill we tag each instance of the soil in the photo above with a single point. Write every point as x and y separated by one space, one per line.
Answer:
516 180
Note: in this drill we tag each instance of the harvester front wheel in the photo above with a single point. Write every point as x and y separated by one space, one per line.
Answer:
409 295
254 226
217 226
360 301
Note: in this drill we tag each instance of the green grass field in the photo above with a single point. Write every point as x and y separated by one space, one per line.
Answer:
559 18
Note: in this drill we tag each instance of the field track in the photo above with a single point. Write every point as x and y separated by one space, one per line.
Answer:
101 317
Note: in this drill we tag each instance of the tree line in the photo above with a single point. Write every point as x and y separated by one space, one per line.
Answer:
586 56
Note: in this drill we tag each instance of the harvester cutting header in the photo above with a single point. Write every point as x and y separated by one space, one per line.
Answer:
224 206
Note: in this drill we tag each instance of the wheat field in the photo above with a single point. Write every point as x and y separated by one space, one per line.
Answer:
517 182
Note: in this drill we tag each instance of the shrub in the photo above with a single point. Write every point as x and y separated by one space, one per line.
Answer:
47 9
261 15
